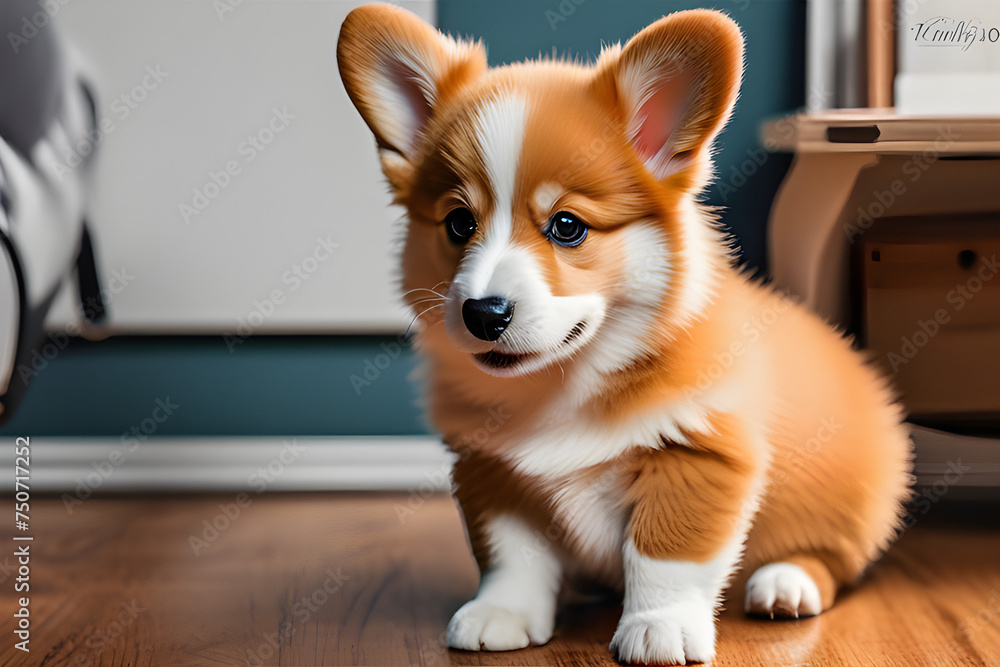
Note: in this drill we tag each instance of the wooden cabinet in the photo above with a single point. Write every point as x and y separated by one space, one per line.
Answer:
887 226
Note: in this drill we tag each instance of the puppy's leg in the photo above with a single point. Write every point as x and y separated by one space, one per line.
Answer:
516 602
690 518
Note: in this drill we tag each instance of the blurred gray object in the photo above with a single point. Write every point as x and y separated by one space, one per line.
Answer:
45 111
835 55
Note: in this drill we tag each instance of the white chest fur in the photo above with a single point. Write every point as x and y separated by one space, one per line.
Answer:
591 518
589 514
566 446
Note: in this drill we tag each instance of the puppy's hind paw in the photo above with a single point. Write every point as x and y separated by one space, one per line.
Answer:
782 590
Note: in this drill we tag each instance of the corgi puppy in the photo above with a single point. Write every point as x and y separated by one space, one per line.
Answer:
627 408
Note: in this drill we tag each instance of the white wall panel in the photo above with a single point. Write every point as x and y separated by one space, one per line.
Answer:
185 90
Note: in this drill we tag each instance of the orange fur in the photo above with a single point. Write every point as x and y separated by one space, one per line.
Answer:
686 500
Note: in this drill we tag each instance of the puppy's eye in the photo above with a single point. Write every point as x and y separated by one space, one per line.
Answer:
567 230
461 225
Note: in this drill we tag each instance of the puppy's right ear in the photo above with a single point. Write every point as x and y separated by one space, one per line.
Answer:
398 70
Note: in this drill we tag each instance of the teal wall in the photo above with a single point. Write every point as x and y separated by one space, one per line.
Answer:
303 385
268 385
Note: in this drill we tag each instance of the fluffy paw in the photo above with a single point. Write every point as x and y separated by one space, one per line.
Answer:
783 590
479 625
673 636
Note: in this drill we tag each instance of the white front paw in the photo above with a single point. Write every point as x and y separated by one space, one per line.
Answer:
673 635
481 625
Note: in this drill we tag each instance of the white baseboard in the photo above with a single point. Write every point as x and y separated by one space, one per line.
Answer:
75 465
405 463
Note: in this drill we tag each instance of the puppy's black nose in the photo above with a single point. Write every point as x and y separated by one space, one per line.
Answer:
487 318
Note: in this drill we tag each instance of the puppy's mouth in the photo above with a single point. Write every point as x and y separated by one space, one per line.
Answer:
504 361
501 361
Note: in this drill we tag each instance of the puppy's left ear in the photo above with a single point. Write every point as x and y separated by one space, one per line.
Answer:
398 71
675 84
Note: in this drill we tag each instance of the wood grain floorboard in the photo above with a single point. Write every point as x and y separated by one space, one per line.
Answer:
344 580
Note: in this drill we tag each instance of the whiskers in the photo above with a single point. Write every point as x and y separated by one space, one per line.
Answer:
420 314
444 284
433 297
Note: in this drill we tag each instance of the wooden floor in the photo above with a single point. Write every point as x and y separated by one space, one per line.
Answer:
371 580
